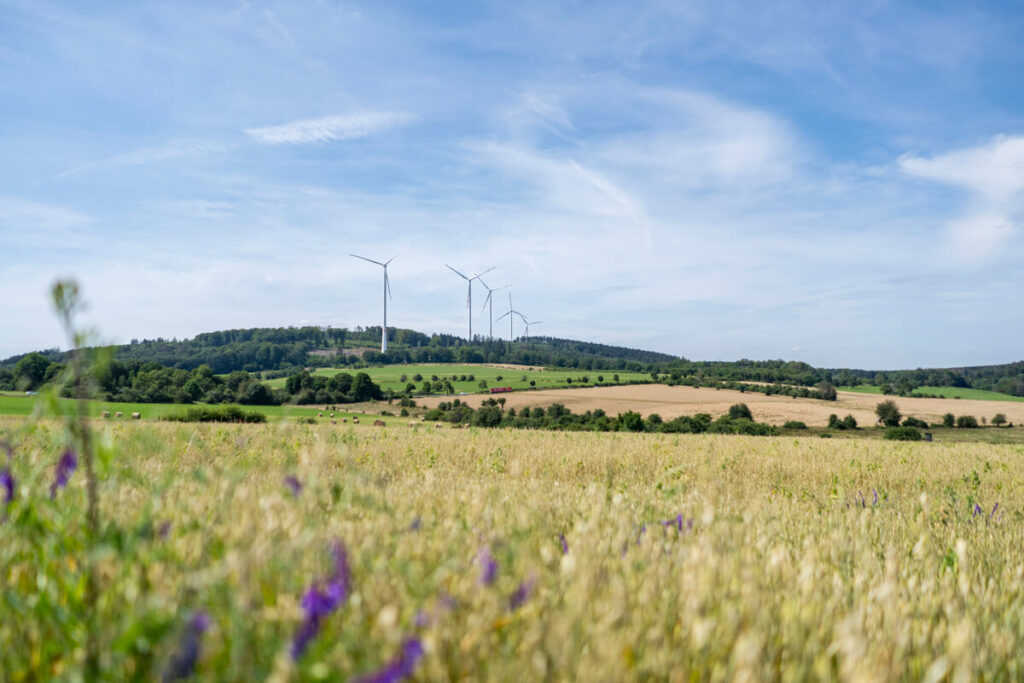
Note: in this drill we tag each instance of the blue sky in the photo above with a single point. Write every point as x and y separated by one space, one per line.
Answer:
840 183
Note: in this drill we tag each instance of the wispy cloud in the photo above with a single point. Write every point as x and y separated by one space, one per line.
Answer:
329 128
993 176
175 149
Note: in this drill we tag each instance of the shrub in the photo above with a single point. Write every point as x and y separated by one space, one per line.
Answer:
914 422
948 420
794 424
888 413
738 411
226 413
903 434
849 422
967 422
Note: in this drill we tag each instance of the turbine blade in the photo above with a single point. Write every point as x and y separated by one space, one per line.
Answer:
504 315
456 272
367 259
387 284
485 272
539 322
389 261
486 299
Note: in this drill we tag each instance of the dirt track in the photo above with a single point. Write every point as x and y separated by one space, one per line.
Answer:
670 402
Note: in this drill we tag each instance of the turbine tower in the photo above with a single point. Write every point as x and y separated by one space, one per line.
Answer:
469 294
387 295
509 313
489 303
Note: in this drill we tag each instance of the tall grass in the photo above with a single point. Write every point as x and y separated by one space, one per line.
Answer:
708 557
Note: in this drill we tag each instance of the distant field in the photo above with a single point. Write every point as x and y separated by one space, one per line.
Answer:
20 405
944 392
390 377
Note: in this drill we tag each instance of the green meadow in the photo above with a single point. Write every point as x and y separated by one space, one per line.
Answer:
943 392
20 405
390 377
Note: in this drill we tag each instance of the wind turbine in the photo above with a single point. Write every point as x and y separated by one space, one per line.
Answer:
510 318
387 295
489 302
528 323
469 293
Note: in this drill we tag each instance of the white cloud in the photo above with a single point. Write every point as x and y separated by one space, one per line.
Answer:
994 171
993 175
328 128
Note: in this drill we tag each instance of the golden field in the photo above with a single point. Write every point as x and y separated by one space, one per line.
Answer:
784 559
673 401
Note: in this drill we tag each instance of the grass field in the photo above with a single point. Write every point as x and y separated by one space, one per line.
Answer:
685 557
21 405
944 392
389 376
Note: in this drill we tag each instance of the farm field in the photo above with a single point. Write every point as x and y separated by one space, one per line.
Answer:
670 402
389 376
22 405
691 556
944 392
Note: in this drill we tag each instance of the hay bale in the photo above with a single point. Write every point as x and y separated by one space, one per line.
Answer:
118 414
379 423
136 416
106 413
355 420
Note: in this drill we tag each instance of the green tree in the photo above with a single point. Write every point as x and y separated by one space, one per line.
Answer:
631 421
827 391
30 371
948 420
998 420
888 413
738 411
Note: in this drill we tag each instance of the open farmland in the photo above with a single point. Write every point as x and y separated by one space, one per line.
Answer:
695 556
517 377
944 392
670 402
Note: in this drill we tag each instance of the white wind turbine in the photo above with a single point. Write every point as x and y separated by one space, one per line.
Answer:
509 313
469 293
528 323
387 295
489 303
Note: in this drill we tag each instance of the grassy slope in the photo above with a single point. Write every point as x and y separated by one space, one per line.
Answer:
20 405
944 392
389 376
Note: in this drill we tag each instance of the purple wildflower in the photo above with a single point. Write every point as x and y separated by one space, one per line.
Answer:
320 600
521 594
643 530
677 522
422 619
7 482
293 483
164 529
565 544
183 663
994 508
488 566
399 668
863 502
977 511
415 526
875 501
67 464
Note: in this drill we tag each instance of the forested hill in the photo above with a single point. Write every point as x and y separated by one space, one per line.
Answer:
283 349
274 349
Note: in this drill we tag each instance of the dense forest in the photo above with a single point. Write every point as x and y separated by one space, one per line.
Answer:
280 352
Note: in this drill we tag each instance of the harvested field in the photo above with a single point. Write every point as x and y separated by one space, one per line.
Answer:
670 402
